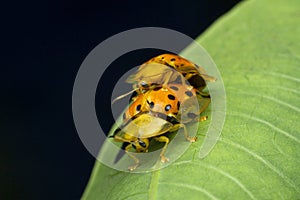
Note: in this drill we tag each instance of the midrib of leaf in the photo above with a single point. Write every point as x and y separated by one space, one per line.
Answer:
152 193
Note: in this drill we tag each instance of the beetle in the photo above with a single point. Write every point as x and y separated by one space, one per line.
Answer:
165 69
156 112
162 69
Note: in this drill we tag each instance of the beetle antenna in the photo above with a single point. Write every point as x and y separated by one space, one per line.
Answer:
122 96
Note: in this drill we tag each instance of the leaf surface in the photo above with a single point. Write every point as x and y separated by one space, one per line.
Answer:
256 47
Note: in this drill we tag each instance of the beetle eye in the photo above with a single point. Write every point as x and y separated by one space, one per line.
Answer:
144 84
143 144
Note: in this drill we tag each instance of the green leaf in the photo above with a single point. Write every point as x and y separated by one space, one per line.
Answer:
257 49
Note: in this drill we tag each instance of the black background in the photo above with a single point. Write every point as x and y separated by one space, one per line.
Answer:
43 45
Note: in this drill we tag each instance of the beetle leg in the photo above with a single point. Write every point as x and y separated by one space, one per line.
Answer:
186 135
203 94
137 161
203 103
183 82
197 119
127 148
166 140
167 79
120 139
203 118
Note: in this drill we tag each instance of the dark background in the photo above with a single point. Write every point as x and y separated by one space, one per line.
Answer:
43 45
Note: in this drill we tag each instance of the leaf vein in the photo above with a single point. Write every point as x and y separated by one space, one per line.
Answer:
285 76
265 162
192 187
232 178
272 99
267 124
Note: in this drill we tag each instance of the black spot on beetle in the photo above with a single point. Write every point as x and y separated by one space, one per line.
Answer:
168 107
151 104
134 94
182 65
173 59
192 115
178 80
169 65
174 88
178 105
157 88
138 108
171 97
189 93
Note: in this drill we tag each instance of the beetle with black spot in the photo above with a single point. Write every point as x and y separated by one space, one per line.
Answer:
156 112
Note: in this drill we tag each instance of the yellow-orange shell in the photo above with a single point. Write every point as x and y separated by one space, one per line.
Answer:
161 100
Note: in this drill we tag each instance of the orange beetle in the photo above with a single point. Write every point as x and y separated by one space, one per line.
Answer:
156 112
166 69
160 71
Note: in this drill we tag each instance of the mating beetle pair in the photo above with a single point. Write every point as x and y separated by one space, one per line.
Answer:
165 88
